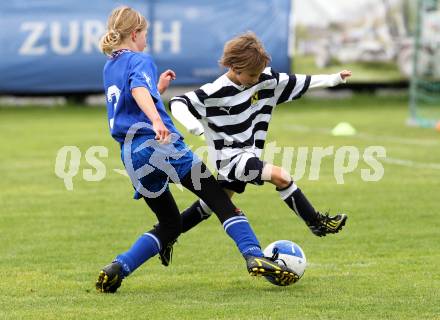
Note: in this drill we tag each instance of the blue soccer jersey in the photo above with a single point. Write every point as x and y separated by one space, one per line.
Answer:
124 71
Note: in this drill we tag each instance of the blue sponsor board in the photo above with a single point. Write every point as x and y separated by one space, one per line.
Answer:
52 46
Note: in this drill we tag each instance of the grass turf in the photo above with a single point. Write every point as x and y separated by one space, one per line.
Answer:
384 265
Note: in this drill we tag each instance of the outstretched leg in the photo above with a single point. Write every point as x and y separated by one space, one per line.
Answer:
210 192
319 224
158 240
238 228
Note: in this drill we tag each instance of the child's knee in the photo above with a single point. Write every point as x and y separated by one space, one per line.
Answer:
282 182
280 177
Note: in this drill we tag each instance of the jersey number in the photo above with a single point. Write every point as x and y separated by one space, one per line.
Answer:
113 94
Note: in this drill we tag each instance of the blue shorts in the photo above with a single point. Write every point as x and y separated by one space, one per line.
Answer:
152 166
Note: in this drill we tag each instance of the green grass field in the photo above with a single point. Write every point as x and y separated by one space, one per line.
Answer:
384 265
366 72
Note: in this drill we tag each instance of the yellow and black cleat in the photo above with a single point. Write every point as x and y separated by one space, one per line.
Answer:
275 273
109 278
326 224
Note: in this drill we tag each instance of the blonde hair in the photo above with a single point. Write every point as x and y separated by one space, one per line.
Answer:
121 23
244 52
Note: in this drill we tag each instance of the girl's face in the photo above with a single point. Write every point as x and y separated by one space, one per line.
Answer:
140 40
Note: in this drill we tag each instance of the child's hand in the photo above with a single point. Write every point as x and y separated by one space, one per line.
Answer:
168 75
345 74
162 132
165 79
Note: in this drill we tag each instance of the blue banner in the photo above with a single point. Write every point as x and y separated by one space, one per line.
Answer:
52 46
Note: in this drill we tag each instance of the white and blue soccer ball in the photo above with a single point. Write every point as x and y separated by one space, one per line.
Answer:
289 254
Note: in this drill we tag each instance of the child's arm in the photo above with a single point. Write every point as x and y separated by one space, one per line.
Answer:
329 80
182 114
145 102
292 87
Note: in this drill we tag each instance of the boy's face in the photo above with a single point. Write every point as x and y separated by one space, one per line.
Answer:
248 78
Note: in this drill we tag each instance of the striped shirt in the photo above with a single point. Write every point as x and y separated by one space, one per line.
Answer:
235 118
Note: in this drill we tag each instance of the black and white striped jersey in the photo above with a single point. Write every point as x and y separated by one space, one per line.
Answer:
236 118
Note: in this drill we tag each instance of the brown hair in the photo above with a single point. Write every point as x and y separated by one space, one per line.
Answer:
121 23
244 52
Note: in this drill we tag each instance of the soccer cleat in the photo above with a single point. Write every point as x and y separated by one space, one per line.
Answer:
110 278
166 254
327 224
279 275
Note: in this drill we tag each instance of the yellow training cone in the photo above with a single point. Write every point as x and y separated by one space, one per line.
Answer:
343 129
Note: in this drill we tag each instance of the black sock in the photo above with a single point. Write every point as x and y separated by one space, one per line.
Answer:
298 202
208 190
193 215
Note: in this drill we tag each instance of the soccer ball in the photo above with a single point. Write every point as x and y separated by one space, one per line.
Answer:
289 254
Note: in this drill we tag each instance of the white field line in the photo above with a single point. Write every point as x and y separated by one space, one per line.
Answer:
412 164
389 160
365 136
121 172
